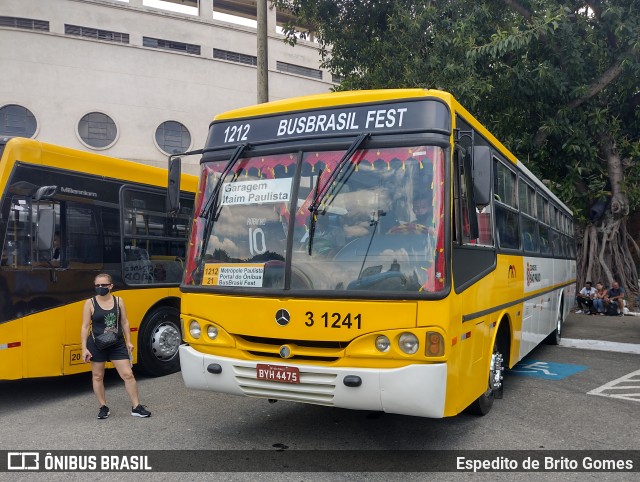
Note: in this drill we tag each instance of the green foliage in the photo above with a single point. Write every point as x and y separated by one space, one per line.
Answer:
535 72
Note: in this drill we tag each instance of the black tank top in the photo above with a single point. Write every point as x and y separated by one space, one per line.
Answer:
102 319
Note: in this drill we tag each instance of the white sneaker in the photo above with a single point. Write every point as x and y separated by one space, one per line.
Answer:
579 312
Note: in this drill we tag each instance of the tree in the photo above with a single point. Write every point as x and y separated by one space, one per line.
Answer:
557 81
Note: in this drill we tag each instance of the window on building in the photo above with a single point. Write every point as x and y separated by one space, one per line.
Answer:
157 43
97 34
24 23
299 70
173 137
235 57
97 130
16 120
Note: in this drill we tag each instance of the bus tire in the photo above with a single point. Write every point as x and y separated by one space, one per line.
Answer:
482 405
556 335
158 342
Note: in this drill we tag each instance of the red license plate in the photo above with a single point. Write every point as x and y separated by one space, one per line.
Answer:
277 373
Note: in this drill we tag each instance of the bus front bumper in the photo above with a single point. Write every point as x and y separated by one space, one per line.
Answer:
412 390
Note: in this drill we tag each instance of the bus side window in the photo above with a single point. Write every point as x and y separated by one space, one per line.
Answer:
507 228
485 230
15 253
84 244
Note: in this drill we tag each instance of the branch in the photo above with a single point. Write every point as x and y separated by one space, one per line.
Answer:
611 74
607 77
619 200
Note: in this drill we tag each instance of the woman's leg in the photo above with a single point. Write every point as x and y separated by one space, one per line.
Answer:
125 372
97 379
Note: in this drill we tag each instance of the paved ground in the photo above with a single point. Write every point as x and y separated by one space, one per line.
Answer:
617 329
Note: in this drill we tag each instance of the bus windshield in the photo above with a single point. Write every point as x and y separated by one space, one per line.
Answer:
307 222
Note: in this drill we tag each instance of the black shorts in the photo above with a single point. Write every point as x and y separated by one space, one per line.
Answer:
119 351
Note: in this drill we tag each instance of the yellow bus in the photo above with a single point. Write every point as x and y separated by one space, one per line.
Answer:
65 216
375 250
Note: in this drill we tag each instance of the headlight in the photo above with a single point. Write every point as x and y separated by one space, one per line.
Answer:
408 343
212 332
194 329
383 343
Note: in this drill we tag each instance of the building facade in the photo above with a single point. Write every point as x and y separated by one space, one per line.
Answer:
130 80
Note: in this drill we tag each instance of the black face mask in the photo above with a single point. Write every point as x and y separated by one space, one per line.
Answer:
102 291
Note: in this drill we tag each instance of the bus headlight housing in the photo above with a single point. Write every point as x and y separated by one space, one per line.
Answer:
408 343
383 343
212 332
194 329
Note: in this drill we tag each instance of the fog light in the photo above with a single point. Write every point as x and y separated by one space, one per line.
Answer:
408 343
212 332
383 344
435 344
194 329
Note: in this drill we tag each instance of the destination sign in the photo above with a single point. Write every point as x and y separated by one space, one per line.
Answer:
416 115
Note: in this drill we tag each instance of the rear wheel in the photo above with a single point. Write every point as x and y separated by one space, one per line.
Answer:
482 405
158 342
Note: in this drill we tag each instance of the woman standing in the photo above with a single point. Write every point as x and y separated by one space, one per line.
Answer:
106 313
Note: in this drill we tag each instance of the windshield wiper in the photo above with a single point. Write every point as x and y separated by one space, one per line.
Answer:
375 219
212 203
337 175
314 214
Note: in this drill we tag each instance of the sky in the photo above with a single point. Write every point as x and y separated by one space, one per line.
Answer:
174 7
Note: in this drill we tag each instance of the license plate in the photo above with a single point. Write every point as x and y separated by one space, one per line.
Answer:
277 373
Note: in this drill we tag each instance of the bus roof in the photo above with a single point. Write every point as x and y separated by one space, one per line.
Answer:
30 151
333 99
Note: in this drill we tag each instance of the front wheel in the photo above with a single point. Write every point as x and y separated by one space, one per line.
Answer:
158 342
482 405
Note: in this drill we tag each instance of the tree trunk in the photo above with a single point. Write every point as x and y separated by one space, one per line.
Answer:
605 249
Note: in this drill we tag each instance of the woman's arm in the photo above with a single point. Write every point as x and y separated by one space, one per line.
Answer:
84 330
124 321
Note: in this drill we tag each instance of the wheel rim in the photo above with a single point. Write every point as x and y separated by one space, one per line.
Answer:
165 341
496 372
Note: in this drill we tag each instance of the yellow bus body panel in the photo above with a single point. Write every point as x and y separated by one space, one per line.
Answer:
469 321
47 343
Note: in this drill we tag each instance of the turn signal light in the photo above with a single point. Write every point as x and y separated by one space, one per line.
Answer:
435 344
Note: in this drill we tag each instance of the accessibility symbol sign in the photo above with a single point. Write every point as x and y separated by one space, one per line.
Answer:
546 370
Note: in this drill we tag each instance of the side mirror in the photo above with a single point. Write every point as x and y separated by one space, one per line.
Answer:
46 226
45 193
173 185
470 201
482 175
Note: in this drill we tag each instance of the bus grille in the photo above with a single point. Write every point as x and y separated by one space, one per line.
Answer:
276 356
335 345
307 350
316 388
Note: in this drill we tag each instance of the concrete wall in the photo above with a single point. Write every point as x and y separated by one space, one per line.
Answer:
60 78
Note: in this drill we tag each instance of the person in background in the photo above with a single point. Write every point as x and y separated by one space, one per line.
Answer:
598 299
615 295
585 298
55 250
100 314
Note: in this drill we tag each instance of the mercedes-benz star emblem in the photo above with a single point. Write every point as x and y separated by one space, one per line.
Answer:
285 351
283 317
